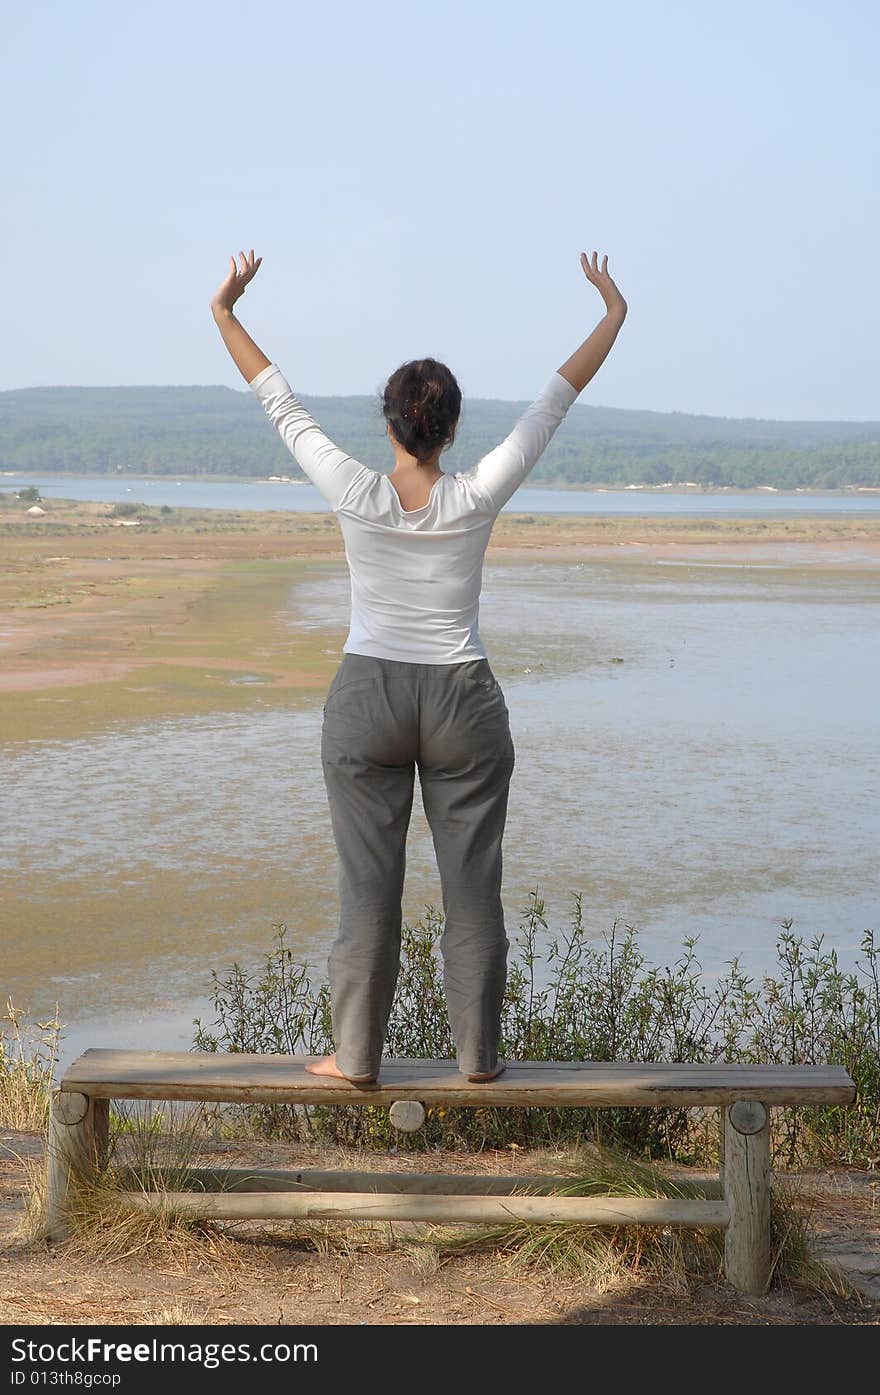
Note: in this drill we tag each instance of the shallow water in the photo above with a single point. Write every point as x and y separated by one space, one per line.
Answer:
300 497
696 753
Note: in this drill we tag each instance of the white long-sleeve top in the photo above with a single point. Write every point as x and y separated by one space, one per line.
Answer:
416 574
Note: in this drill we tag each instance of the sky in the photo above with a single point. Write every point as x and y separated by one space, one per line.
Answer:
420 179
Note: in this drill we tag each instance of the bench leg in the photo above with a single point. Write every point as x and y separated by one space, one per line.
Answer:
77 1144
746 1182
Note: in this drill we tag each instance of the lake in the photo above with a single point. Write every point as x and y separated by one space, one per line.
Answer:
251 495
697 754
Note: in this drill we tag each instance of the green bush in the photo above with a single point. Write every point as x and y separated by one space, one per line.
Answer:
569 999
126 508
30 495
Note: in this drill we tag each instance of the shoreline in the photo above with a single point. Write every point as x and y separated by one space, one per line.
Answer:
563 487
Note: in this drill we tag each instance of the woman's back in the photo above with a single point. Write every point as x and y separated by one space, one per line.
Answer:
416 574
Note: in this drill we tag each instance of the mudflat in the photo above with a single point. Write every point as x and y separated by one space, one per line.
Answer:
102 619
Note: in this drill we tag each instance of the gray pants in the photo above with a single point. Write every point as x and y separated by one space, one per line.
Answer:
382 718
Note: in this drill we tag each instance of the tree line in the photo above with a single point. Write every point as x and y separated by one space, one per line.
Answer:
215 431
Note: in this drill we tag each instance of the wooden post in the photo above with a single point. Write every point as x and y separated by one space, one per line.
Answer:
746 1182
77 1145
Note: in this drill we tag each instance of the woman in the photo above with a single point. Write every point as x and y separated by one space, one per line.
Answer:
415 687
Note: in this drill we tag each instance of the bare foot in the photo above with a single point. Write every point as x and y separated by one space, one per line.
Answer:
488 1075
327 1066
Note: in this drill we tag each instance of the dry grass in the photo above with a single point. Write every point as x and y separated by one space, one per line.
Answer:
31 1228
606 1256
104 1227
794 1263
28 1054
182 1315
157 1151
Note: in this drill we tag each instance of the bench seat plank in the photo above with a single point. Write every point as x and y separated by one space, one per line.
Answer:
183 1075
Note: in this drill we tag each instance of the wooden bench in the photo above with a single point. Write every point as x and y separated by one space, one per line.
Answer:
78 1136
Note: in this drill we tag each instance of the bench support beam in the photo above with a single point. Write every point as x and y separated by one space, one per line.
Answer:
257 1179
438 1209
77 1146
746 1184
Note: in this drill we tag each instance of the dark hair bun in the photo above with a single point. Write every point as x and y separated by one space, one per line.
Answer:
422 403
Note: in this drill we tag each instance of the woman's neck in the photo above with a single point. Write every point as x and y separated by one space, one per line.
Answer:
409 468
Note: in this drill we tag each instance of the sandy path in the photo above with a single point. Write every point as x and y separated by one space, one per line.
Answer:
275 1275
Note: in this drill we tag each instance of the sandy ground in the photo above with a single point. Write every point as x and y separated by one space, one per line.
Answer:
274 1273
98 625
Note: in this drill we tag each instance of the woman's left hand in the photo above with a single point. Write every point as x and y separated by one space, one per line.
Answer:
237 281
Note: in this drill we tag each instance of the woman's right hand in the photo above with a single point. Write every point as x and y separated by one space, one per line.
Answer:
600 278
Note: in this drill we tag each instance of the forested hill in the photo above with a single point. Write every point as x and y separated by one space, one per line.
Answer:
218 431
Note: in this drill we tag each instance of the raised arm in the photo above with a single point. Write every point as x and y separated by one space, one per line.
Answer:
500 473
586 361
248 359
330 469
